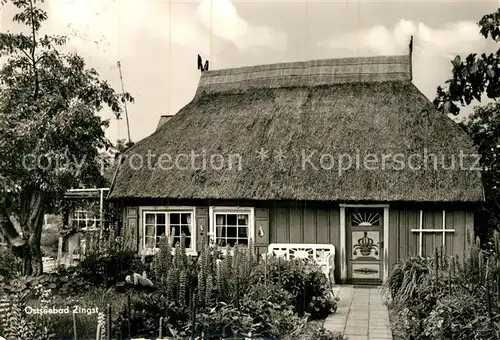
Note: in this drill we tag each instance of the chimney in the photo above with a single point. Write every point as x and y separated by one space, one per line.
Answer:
163 120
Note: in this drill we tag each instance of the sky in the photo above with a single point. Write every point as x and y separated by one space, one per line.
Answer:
157 41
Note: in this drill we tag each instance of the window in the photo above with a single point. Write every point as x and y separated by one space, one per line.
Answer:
158 224
83 219
421 232
365 217
231 226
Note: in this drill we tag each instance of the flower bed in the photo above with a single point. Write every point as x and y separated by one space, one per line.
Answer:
211 297
447 298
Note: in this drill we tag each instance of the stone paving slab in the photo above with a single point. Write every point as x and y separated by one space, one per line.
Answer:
361 314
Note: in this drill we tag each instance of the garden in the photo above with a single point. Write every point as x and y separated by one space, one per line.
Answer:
223 293
446 297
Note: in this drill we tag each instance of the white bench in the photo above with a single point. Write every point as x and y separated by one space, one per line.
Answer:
322 254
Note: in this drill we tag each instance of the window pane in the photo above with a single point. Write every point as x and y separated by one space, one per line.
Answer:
175 218
242 232
231 231
231 219
221 231
150 219
185 218
160 230
188 242
221 242
150 231
242 219
186 230
231 241
220 219
150 242
175 230
243 241
160 218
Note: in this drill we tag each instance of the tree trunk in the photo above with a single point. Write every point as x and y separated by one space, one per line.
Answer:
34 225
36 253
29 218
27 268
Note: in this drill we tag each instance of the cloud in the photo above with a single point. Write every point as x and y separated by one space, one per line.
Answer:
434 47
226 23
109 21
448 40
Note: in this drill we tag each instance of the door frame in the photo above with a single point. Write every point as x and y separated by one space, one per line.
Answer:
343 238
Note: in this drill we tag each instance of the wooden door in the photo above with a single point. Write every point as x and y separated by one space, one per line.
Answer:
364 245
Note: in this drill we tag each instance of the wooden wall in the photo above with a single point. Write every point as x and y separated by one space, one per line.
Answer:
403 243
304 223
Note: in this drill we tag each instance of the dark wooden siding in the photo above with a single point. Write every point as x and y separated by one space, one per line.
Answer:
307 222
403 243
302 223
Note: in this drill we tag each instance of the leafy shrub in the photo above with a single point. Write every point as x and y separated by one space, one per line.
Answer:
444 298
405 279
304 279
21 326
145 311
271 309
109 269
315 330
10 265
461 316
234 295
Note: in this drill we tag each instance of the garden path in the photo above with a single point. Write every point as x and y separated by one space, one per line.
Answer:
361 314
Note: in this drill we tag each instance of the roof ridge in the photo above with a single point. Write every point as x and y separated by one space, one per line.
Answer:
307 73
304 63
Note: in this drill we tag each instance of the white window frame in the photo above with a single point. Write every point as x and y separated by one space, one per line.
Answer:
213 210
166 210
421 231
89 222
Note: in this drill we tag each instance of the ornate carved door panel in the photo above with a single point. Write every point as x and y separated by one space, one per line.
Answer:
364 245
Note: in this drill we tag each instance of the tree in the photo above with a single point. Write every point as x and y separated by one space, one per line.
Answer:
474 76
122 145
49 128
483 125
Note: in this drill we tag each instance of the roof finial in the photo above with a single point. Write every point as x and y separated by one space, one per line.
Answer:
411 58
202 67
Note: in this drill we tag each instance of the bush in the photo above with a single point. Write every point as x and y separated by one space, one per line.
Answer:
19 325
304 280
10 265
315 330
461 316
444 298
234 295
109 269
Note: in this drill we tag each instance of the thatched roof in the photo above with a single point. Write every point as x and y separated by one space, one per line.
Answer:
163 119
335 107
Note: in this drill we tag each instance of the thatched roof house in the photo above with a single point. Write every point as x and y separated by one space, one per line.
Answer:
307 148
